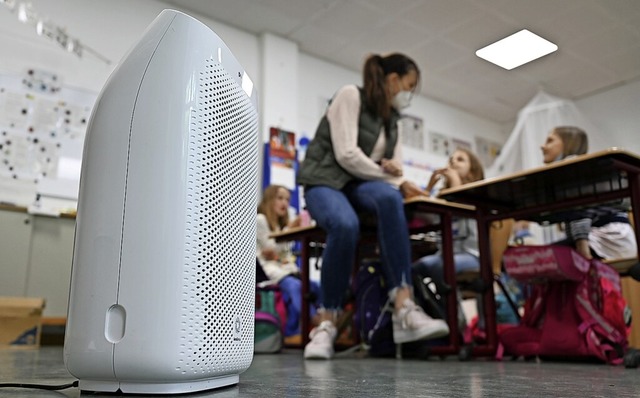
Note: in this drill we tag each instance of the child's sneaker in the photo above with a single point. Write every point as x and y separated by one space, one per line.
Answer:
410 323
321 344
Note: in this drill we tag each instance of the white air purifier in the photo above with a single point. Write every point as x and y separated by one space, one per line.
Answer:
163 279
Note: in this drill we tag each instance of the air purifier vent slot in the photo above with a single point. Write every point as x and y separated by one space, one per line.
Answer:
221 198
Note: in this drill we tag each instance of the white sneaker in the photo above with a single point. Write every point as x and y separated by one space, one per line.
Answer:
410 323
321 344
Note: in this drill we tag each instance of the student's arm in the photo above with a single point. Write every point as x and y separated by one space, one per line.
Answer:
578 230
393 166
452 176
268 253
436 176
266 246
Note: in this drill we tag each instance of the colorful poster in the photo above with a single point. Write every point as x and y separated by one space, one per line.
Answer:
282 158
282 144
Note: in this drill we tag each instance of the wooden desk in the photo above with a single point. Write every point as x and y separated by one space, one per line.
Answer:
546 194
416 206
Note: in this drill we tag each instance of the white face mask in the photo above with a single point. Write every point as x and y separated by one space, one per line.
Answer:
402 99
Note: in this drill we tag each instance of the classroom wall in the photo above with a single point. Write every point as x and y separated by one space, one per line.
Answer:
108 27
294 87
616 114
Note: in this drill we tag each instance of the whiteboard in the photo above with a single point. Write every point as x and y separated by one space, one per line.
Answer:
42 129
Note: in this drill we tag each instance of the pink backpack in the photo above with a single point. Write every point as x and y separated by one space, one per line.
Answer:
571 316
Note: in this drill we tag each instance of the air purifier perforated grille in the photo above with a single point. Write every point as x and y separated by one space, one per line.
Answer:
217 327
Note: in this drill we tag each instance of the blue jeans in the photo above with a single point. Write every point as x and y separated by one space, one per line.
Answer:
291 288
336 212
432 266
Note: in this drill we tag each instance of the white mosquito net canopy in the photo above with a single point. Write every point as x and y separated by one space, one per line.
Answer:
535 122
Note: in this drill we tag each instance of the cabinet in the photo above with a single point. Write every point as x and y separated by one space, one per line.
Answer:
50 262
15 241
35 258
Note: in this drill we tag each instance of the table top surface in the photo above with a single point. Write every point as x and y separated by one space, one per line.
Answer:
589 175
419 202
437 203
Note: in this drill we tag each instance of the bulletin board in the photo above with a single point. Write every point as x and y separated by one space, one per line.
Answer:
42 129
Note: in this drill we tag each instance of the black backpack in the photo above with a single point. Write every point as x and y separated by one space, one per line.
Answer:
372 317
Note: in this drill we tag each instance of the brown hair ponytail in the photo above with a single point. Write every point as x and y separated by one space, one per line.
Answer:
376 68
374 87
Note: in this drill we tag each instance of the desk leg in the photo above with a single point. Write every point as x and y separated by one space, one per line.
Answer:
305 322
634 187
489 303
450 279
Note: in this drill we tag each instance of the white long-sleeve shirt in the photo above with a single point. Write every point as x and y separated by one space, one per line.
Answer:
343 116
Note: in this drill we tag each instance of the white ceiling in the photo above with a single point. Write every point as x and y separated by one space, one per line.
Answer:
598 40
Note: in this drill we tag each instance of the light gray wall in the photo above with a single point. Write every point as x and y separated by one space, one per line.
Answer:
616 114
111 28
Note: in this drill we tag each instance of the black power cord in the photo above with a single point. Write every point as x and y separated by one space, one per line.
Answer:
40 386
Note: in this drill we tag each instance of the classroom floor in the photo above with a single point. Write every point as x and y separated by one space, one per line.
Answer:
288 375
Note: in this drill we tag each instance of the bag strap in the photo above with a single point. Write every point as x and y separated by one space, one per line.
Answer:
535 305
265 316
595 328
387 308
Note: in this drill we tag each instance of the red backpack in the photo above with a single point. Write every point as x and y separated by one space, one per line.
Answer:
580 316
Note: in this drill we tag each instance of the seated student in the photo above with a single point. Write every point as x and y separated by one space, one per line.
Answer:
601 231
276 260
464 167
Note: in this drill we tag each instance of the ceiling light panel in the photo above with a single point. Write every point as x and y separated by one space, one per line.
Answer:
517 49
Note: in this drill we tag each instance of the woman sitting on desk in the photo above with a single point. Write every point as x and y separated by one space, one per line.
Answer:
603 231
353 164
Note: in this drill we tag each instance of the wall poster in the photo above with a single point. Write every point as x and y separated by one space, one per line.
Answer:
439 144
487 151
412 128
42 129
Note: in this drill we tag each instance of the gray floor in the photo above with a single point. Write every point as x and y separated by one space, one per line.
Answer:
288 375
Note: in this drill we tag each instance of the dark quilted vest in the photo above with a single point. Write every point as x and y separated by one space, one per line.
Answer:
320 166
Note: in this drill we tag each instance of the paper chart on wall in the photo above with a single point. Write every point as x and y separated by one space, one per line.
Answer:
412 132
36 127
440 144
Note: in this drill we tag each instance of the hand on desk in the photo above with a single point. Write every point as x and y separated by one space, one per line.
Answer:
410 190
